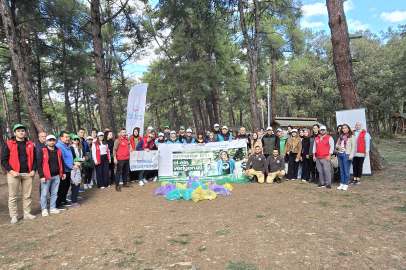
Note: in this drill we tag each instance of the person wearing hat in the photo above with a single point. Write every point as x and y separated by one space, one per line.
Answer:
75 180
101 158
269 142
161 139
149 130
63 145
57 135
121 154
188 138
323 148
182 134
173 138
216 129
147 145
88 164
207 134
225 135
167 134
293 150
50 171
19 158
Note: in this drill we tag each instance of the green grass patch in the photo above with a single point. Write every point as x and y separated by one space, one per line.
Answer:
139 236
342 253
184 234
138 242
202 249
401 208
119 250
28 266
223 231
241 266
323 203
181 242
260 216
347 206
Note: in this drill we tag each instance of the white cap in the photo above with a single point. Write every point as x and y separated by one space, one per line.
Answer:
279 129
89 138
269 128
150 128
208 131
161 134
216 125
323 127
100 134
294 130
225 127
188 130
49 137
173 132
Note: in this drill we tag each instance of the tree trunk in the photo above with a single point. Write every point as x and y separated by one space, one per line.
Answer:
87 116
214 101
77 105
34 111
91 111
33 132
158 121
273 86
195 118
231 112
101 80
39 80
252 52
16 97
175 116
68 111
240 117
6 111
343 66
210 113
208 122
55 115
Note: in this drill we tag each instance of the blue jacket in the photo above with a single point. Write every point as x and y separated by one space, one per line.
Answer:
169 141
66 155
191 141
221 139
208 140
220 166
141 143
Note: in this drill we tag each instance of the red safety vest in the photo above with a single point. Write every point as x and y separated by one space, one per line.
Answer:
123 150
96 144
145 144
45 163
133 146
13 159
322 146
361 142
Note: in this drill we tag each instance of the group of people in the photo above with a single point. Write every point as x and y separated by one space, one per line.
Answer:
63 160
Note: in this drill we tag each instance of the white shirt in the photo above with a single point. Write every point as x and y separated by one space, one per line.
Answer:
103 150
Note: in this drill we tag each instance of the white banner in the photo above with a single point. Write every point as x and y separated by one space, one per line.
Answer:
351 117
143 160
136 108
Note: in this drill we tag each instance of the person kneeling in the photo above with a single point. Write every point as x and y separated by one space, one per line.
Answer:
275 167
256 166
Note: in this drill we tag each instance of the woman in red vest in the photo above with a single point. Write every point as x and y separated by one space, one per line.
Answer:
134 140
101 157
363 142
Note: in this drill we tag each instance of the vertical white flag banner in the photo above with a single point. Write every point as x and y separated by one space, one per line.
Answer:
136 108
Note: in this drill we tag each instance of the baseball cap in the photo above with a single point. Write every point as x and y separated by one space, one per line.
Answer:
323 127
182 127
78 160
188 130
18 126
161 134
150 128
166 127
57 135
173 132
71 135
89 138
50 137
100 133
74 137
279 129
269 128
208 132
216 125
294 130
225 127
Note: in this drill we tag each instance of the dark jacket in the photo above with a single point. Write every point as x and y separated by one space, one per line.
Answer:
305 147
244 137
22 157
269 143
257 162
274 165
53 162
312 138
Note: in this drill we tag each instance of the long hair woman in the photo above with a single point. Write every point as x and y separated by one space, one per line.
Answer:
225 165
101 157
293 149
363 144
346 151
211 138
200 139
305 156
110 142
255 140
134 140
314 174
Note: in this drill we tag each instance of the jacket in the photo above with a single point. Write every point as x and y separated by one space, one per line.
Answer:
44 168
66 156
75 176
13 152
270 142
220 166
293 145
350 147
226 137
257 162
274 164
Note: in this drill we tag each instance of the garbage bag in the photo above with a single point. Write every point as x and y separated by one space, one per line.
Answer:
173 195
197 194
187 194
169 187
211 185
159 191
221 190
207 183
189 182
229 187
193 180
181 186
209 194
164 183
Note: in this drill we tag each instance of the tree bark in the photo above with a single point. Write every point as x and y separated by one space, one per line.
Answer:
16 97
55 115
214 102
101 79
252 52
68 111
343 66
39 80
211 114
6 111
77 105
273 86
158 120
34 111
206 116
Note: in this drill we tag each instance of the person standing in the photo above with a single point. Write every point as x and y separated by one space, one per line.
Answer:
362 148
323 148
314 174
81 134
275 167
167 135
50 171
244 136
336 171
293 150
216 131
110 142
225 136
88 164
75 180
188 138
269 142
101 158
121 154
63 145
306 156
346 151
42 140
147 145
182 134
256 166
19 158
161 139
256 141
134 140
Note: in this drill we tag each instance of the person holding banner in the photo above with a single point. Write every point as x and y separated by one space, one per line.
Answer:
211 138
161 139
101 157
323 148
121 154
173 138
346 152
134 140
188 138
256 166
362 147
182 134
200 140
147 145
167 135
225 135
225 165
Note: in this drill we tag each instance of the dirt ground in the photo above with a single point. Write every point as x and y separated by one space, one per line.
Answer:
292 225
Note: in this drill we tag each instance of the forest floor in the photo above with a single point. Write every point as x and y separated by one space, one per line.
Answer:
292 225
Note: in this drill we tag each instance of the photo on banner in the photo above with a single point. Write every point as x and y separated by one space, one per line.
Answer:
351 117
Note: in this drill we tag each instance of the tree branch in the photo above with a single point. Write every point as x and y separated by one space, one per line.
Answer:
115 15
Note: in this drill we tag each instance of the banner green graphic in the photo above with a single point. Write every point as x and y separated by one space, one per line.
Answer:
220 161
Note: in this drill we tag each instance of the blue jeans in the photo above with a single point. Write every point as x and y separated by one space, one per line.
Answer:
345 166
51 185
299 170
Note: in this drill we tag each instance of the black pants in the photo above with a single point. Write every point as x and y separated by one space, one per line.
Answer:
292 166
88 175
306 168
63 190
111 168
75 192
135 175
102 172
150 174
314 174
122 167
357 164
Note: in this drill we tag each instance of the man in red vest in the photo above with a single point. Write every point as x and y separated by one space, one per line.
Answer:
323 148
19 158
121 154
50 171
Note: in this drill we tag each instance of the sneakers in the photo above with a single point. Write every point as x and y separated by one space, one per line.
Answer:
155 179
320 186
287 179
54 211
345 187
45 213
91 183
29 216
66 204
340 186
81 190
69 198
14 220
303 180
80 196
118 188
357 182
328 187
75 205
141 183
293 179
278 180
132 181
127 186
311 180
352 182
62 208
102 188
254 179
144 180
85 186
